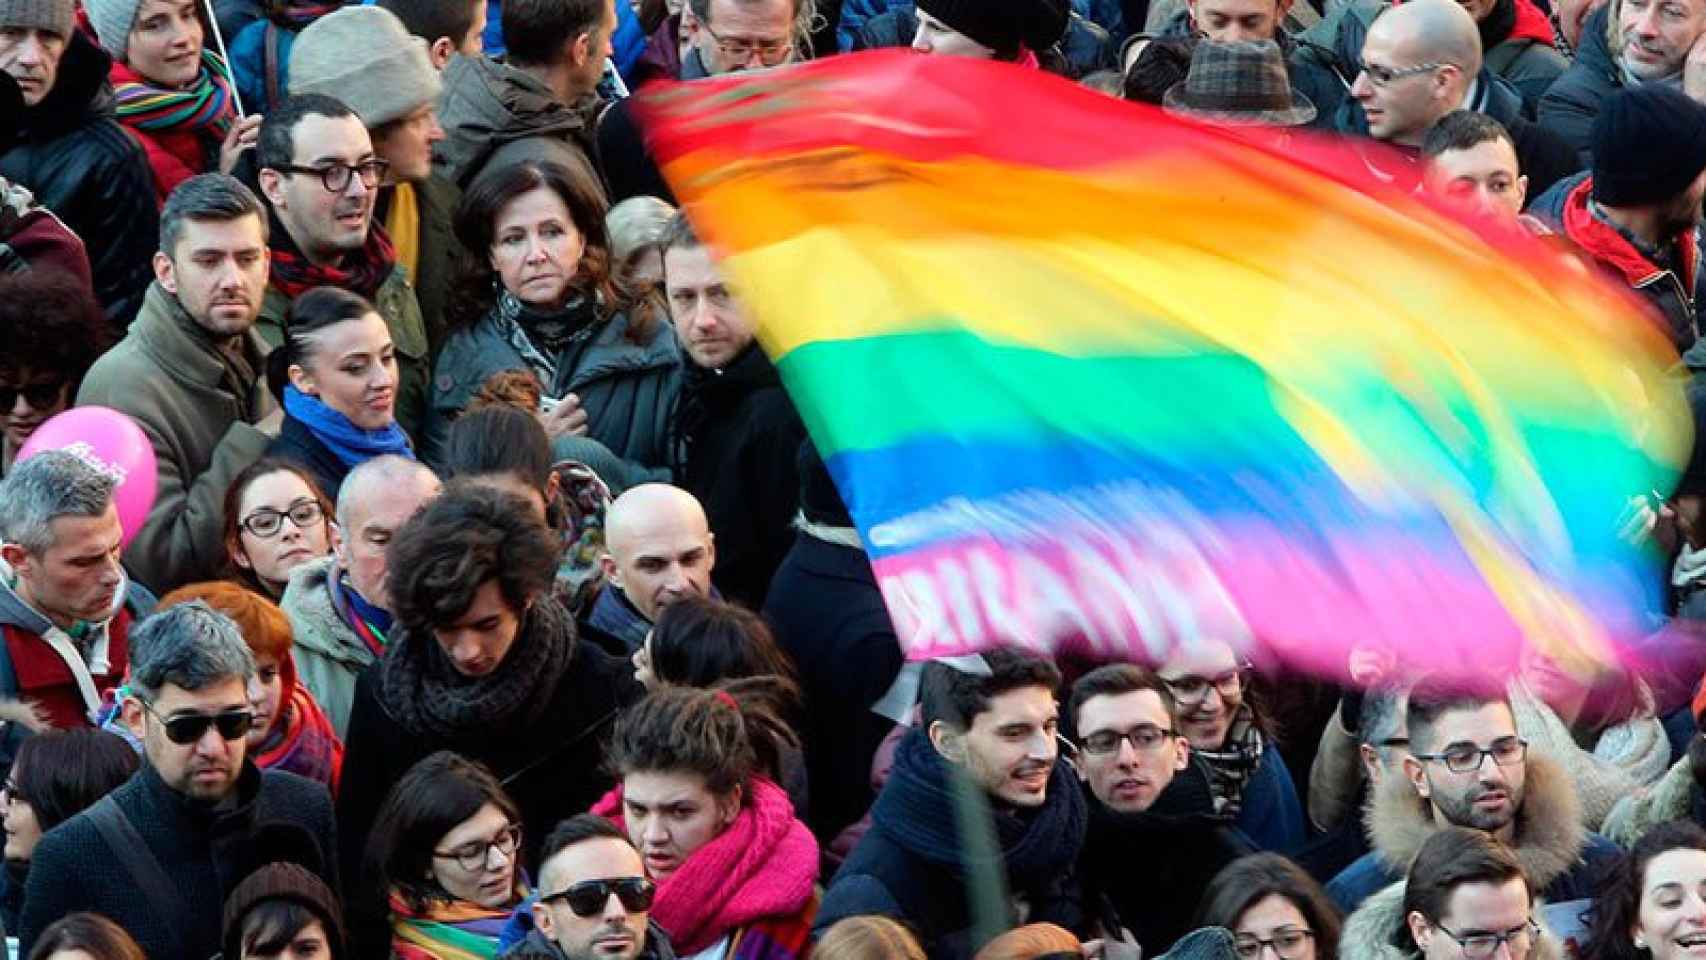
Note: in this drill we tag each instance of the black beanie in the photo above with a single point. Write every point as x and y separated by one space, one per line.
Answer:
1649 143
284 881
1004 25
819 500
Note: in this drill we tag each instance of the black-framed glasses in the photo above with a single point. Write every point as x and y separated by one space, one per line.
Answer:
266 522
335 177
1381 76
587 898
1480 946
1190 690
474 856
1468 758
1144 738
1287 942
40 396
184 729
740 49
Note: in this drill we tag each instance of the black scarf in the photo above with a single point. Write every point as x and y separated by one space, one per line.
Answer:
1231 768
426 695
1496 29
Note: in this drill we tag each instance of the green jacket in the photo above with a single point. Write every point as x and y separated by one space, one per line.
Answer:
436 198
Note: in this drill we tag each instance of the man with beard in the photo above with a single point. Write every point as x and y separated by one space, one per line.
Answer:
189 372
987 739
1637 212
594 899
197 818
1149 803
321 176
1468 768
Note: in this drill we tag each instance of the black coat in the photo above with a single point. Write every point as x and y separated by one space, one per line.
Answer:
296 443
736 437
827 613
1568 109
278 816
81 164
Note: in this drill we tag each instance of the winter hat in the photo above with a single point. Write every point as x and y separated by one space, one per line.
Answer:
367 59
55 15
112 20
1649 143
1004 25
294 884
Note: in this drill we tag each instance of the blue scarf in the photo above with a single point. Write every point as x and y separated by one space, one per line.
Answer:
349 443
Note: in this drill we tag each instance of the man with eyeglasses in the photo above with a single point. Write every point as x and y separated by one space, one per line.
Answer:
1467 896
1149 803
741 35
321 176
197 818
1468 768
190 373
594 901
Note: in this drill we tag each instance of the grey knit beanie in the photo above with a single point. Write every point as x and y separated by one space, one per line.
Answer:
367 59
55 15
112 20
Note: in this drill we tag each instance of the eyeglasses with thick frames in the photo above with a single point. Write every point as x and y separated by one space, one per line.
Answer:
184 729
1480 946
1381 76
39 396
587 898
266 522
1287 943
1468 758
335 177
1191 690
1144 738
740 49
474 856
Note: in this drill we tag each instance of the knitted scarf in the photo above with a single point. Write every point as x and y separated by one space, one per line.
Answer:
303 742
429 698
352 445
205 104
363 272
369 622
541 336
763 866
296 14
1231 767
457 930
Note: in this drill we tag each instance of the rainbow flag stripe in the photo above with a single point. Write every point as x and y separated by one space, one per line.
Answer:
1087 372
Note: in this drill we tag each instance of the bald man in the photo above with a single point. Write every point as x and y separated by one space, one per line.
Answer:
338 607
659 548
1422 60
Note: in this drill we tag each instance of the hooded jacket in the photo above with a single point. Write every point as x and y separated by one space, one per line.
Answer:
198 409
328 654
81 164
1375 930
1560 857
494 115
1569 107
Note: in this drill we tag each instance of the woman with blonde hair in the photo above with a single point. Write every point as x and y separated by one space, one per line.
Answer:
867 938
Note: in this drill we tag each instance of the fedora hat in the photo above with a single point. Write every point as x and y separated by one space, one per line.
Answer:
1238 84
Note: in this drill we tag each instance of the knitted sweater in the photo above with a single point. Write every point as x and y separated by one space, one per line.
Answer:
1626 756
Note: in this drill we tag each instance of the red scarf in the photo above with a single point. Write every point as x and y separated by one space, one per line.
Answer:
763 866
364 272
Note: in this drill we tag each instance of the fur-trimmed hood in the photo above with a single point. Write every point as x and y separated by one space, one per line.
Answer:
1374 931
1549 833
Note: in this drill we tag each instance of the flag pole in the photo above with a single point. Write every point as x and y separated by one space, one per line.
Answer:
224 56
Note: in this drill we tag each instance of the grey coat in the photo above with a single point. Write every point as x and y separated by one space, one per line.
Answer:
328 654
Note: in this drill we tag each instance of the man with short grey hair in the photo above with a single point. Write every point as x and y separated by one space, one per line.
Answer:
198 816
66 606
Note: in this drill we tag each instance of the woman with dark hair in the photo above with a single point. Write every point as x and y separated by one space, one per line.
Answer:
337 376
85 936
283 911
1653 899
276 519
698 641
51 331
56 775
1265 899
446 850
736 869
538 293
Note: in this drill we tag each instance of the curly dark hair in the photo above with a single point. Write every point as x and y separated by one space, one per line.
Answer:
724 734
49 323
469 535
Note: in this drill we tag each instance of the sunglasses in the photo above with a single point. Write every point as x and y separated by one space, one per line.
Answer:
186 729
588 897
39 396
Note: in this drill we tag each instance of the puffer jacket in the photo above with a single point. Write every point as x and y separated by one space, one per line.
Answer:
494 114
81 164
1569 107
328 654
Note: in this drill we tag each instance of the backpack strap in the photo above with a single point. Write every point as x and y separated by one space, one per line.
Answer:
146 873
270 64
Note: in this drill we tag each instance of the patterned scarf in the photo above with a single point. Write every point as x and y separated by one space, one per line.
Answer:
455 930
205 104
303 742
364 272
540 336
1231 767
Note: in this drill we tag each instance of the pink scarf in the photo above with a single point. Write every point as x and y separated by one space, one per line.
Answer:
764 865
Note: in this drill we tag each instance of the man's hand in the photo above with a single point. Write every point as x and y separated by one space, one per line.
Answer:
1369 666
1694 71
241 137
565 419
273 422
1125 948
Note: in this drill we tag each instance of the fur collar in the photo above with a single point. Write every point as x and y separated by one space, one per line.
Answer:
1374 931
1549 831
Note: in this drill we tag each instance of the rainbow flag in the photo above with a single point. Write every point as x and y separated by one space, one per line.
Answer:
1085 372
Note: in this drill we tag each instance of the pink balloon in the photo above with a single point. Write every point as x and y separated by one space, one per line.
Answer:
115 441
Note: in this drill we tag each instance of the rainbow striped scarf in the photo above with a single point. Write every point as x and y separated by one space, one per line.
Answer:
206 104
457 930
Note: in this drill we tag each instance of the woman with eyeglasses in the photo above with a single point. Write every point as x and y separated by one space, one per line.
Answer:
1273 909
446 849
1653 905
276 519
57 774
290 731
336 374
51 331
1230 734
736 870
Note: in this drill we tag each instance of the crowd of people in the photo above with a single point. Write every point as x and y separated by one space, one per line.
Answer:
494 603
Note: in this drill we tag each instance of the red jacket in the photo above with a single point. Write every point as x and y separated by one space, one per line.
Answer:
174 155
1671 292
45 680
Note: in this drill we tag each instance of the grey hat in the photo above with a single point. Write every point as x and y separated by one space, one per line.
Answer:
366 58
57 16
112 20
1238 84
